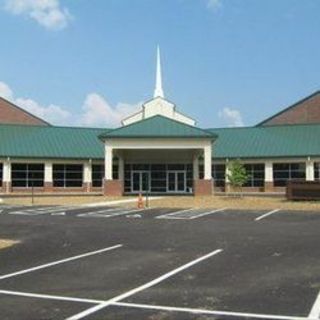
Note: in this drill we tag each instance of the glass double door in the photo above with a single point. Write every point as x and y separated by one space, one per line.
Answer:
140 181
173 181
176 181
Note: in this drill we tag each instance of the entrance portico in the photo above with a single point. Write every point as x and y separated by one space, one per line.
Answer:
150 160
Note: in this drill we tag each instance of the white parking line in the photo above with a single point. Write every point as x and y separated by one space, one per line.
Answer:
171 215
49 297
58 213
204 311
87 254
154 307
109 213
188 214
315 311
145 286
45 210
267 214
99 212
9 207
207 213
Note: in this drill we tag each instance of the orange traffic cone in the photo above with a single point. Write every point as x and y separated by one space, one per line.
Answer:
140 202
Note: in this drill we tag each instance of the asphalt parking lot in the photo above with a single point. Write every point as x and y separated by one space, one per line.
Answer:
159 264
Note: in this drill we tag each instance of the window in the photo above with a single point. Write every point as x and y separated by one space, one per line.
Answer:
127 177
1 174
189 172
201 171
67 175
219 174
317 170
97 175
27 175
282 172
115 172
256 175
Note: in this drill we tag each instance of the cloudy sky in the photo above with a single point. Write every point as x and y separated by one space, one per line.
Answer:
225 62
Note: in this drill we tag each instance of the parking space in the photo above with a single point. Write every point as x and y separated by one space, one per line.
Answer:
7 208
19 307
147 213
31 211
189 214
83 211
159 263
112 212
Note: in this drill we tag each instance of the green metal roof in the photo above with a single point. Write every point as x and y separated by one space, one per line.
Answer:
50 142
267 142
23 141
158 127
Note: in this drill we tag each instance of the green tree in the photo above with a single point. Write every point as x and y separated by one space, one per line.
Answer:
237 174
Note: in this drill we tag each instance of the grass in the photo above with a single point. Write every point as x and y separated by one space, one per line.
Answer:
245 202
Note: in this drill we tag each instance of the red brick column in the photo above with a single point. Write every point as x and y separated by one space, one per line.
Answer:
227 187
48 187
113 188
203 187
87 186
6 187
268 186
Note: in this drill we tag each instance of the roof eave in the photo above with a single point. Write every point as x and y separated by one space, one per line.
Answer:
105 137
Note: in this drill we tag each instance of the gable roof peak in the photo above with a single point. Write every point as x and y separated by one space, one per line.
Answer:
157 126
290 116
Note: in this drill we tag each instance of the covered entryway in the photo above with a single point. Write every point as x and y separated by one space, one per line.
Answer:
158 155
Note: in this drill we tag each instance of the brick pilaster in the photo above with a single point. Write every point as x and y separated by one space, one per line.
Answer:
113 188
203 187
268 186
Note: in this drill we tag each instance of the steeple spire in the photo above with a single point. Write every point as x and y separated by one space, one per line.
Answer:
158 91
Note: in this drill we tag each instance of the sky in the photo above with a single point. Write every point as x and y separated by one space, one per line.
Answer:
224 62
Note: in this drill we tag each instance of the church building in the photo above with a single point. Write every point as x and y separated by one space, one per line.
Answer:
158 149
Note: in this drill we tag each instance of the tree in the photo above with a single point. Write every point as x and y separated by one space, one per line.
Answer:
237 174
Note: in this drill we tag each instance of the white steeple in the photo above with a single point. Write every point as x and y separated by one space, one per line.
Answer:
158 91
158 105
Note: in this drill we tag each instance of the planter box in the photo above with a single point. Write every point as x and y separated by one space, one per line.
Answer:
303 190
